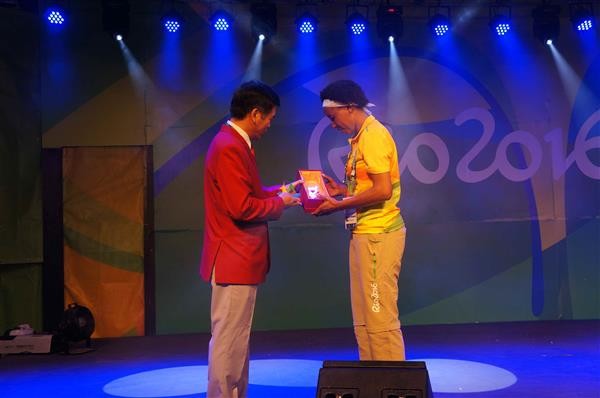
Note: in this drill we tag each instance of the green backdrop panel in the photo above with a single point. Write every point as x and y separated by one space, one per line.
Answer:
20 296
182 298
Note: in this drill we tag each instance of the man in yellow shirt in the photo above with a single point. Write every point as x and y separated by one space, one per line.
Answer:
371 191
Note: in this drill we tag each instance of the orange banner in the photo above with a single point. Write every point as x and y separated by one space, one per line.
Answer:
104 192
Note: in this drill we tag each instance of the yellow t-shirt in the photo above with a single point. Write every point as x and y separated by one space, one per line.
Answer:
373 151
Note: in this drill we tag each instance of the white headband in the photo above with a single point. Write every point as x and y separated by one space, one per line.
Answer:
327 103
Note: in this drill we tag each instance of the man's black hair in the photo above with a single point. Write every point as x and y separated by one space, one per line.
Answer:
345 92
250 95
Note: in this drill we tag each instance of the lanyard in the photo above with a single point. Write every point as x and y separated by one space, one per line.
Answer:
350 178
351 217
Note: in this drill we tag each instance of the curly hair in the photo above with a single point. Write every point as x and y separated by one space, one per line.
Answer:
345 92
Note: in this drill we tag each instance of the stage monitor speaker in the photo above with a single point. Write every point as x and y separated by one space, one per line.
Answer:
374 379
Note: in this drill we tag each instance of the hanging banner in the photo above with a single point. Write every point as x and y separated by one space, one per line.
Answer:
104 192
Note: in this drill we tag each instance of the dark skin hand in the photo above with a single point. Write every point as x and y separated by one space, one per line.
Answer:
380 191
333 188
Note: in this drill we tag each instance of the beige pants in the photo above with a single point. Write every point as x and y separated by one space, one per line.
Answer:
231 312
375 261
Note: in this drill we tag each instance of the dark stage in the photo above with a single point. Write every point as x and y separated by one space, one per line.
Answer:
549 359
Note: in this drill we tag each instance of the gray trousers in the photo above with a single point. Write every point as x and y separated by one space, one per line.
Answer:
231 312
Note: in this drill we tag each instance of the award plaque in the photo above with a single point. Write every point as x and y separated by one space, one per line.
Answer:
312 190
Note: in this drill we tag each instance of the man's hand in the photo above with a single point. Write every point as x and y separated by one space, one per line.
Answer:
328 206
333 188
291 187
289 200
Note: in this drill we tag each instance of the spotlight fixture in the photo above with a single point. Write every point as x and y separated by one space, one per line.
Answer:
439 20
264 19
357 22
546 22
115 17
172 26
171 21
582 16
307 23
77 324
389 21
306 19
500 19
55 16
221 20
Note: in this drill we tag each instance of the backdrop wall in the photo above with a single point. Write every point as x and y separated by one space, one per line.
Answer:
499 140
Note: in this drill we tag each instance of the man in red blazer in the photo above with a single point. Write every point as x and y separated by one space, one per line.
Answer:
235 254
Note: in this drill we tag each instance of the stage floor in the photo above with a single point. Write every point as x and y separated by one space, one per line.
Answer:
556 359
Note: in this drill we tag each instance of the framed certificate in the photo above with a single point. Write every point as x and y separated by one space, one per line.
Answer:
312 190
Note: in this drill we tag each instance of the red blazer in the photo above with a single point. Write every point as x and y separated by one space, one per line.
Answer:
236 211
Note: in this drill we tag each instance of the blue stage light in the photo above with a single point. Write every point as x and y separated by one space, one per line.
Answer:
582 16
500 18
307 23
585 25
357 23
439 25
221 21
439 20
502 29
171 26
306 27
55 16
221 24
441 29
500 24
172 21
358 27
